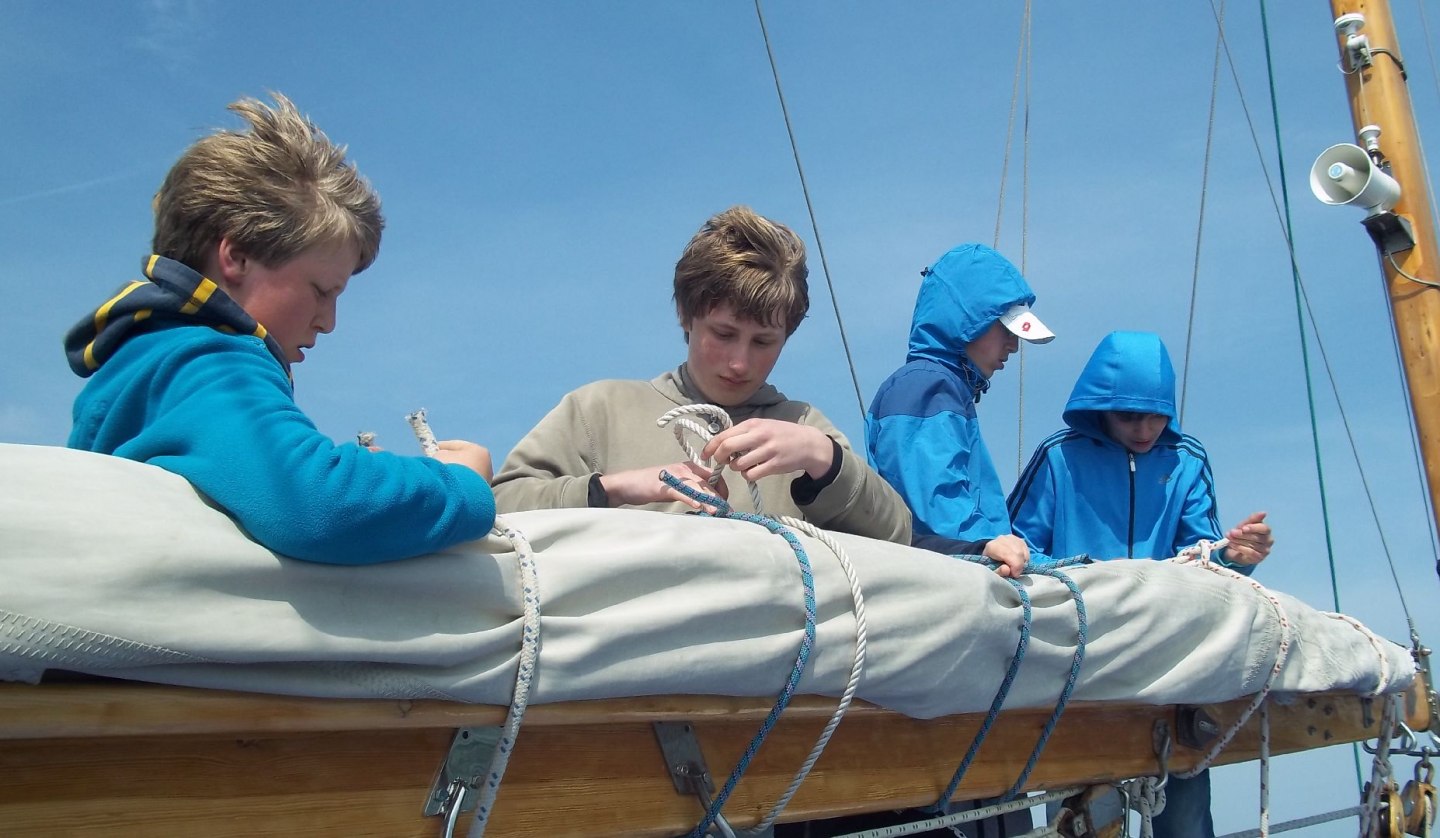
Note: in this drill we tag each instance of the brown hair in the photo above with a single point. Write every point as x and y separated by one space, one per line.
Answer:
274 190
753 264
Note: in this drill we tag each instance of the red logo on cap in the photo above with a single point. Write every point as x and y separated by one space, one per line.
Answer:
1025 327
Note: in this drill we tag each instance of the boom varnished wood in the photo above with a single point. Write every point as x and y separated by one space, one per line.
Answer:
140 759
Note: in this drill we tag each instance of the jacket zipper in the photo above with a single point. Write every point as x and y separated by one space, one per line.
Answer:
1130 542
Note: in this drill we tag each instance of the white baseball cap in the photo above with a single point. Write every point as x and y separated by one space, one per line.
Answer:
1023 322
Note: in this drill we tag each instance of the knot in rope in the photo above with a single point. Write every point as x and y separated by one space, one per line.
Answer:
717 421
1202 551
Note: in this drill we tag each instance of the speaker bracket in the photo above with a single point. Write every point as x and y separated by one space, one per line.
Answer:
1391 233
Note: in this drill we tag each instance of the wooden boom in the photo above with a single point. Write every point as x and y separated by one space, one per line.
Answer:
136 759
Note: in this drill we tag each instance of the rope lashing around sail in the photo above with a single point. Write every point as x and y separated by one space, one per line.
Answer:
1013 670
801 659
718 420
1200 555
529 648
524 676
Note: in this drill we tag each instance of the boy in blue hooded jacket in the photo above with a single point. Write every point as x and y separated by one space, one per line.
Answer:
922 431
1122 481
257 233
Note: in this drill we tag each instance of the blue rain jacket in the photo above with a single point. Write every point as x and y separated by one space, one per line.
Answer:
181 377
1083 492
921 432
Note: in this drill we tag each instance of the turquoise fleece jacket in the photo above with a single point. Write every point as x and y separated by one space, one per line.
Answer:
182 378
1083 492
921 431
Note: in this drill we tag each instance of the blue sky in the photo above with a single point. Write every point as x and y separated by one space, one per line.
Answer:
543 164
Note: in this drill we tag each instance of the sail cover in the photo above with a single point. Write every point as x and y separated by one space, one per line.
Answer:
117 568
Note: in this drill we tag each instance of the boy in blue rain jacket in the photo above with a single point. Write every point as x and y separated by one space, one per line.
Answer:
1122 481
922 431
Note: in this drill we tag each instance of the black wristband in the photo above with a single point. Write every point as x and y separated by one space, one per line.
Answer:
597 497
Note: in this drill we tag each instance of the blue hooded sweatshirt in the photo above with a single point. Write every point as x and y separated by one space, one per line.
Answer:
1083 492
922 432
180 376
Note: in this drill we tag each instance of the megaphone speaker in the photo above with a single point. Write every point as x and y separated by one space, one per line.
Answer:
1345 174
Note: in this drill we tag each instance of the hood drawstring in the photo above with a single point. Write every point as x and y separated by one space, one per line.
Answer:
977 383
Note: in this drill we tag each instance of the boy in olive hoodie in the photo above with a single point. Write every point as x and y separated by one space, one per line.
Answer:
740 291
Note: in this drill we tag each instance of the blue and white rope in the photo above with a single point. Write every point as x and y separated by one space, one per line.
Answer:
1082 622
718 420
801 659
1000 695
857 668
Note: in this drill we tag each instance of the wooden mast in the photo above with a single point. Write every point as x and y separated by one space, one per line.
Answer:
1379 96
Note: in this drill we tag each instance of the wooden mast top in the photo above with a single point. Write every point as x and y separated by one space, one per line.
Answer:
1379 96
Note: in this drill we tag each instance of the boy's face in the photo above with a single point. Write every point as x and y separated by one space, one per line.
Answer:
1138 432
295 300
989 351
731 357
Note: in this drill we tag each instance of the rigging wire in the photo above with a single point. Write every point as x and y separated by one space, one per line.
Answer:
1024 237
1022 66
1287 228
810 208
1301 296
1200 221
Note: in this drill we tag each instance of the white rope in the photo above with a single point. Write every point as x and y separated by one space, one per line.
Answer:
529 646
1200 554
720 421
1264 771
1146 796
524 675
422 432
857 668
1382 685
1380 775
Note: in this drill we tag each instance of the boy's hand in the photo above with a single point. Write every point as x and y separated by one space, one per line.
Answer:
467 454
758 448
1011 552
643 485
1250 540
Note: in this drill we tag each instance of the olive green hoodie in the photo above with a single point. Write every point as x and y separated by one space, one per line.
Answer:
609 426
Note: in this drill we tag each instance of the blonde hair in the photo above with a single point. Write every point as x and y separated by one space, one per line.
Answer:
753 264
274 190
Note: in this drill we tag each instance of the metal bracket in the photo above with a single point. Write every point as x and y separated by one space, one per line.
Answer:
1194 728
687 767
684 760
469 758
1422 653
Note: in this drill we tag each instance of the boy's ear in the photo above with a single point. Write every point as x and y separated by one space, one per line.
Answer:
230 264
684 324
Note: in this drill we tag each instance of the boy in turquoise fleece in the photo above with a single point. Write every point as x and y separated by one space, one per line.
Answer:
1122 481
257 233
